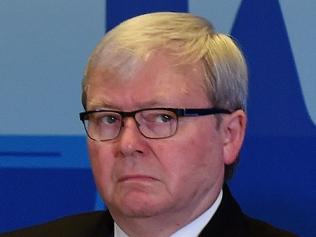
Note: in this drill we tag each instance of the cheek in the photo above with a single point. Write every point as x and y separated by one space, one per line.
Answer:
186 158
192 158
101 163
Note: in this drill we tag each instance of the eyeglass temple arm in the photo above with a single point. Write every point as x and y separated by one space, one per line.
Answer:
200 112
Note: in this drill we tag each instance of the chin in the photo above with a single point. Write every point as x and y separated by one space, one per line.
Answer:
139 205
139 212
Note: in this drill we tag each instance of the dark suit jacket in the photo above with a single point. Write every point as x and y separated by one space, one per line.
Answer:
228 221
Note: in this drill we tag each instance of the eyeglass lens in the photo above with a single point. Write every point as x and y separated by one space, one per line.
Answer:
151 123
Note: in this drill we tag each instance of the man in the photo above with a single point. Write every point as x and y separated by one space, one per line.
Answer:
165 100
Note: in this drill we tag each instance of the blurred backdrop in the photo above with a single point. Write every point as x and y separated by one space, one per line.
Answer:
44 45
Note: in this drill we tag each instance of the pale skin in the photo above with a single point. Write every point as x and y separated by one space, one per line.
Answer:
153 187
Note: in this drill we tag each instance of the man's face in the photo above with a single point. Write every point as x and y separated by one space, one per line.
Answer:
140 177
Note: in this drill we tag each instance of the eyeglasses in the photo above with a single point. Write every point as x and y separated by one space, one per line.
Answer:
154 123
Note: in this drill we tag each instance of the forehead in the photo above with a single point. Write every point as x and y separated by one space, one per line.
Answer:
158 80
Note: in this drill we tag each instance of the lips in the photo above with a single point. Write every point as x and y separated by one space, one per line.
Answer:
136 178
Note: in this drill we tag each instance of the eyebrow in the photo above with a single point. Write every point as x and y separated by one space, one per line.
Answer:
149 104
101 105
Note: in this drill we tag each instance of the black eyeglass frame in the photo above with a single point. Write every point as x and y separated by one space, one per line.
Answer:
179 112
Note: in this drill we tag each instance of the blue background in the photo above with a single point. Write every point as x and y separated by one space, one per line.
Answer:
44 168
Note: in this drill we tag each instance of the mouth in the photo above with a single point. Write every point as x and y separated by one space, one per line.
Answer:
136 178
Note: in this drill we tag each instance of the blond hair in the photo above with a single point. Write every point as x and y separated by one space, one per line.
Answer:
191 39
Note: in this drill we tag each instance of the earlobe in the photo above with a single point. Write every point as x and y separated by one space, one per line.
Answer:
234 128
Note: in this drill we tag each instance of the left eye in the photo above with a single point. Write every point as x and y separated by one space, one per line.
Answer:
163 118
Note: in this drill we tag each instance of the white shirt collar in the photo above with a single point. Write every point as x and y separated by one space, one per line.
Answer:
193 229
118 232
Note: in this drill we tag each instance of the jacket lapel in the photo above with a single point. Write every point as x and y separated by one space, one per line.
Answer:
228 220
105 226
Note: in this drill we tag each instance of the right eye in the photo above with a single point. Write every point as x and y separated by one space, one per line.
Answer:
109 119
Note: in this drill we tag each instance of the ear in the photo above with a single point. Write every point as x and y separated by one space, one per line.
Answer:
233 128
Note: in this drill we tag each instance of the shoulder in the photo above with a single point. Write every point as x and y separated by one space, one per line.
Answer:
230 220
259 228
87 224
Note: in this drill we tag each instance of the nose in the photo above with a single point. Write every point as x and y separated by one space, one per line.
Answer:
131 142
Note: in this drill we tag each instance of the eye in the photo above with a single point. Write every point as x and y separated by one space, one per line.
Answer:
163 118
156 116
109 119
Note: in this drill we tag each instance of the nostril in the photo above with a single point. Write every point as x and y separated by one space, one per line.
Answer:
139 151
